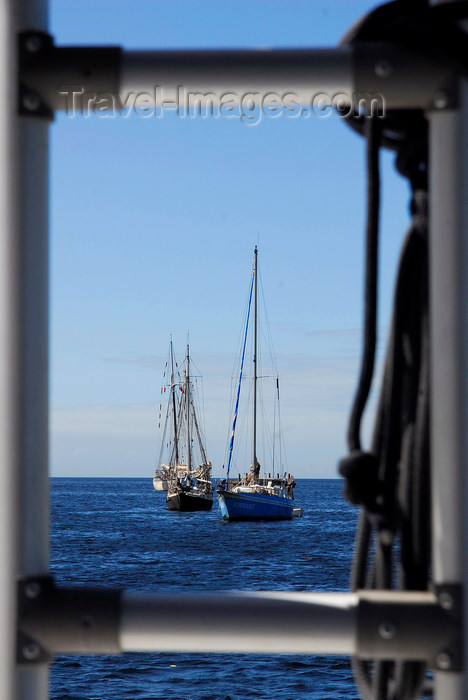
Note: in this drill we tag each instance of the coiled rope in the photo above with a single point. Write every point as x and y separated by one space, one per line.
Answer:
391 481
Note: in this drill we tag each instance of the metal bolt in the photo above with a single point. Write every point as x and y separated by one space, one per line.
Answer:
441 100
33 43
446 600
31 651
32 589
387 630
444 661
386 536
383 69
31 102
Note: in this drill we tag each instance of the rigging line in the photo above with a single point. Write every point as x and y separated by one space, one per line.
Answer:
275 429
267 436
163 440
281 446
181 424
199 436
199 406
266 329
168 409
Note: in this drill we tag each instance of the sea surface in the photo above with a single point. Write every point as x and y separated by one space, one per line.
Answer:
119 533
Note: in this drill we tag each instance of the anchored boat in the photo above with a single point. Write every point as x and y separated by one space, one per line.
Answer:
189 484
252 497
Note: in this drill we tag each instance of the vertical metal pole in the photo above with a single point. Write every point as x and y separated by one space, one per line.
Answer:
9 339
449 342
31 349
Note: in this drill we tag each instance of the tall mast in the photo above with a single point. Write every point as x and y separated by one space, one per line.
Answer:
187 410
174 411
254 459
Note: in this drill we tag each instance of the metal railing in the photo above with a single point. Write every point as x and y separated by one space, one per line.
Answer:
386 625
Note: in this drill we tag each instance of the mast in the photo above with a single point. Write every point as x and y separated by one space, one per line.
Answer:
187 411
176 439
254 458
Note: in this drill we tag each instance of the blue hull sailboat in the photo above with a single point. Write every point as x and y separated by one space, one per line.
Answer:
258 504
252 497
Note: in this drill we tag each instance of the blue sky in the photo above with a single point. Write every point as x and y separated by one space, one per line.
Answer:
153 225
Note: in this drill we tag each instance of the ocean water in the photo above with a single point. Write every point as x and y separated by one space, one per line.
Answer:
119 533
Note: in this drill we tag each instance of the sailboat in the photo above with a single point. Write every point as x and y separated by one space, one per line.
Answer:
252 497
189 484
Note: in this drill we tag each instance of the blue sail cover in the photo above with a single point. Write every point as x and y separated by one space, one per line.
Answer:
231 443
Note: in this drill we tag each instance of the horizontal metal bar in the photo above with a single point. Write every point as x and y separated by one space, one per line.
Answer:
377 624
249 623
103 78
396 78
303 74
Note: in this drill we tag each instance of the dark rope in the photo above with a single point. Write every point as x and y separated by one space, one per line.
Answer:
391 482
370 294
359 468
